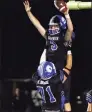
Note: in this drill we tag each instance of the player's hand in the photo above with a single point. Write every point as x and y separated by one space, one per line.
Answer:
67 10
63 8
27 5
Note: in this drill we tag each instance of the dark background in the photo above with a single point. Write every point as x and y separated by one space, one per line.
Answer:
21 44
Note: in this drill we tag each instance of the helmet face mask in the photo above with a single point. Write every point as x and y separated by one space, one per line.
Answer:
54 29
56 24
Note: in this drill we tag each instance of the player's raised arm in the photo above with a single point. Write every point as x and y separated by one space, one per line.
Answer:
63 8
69 31
33 19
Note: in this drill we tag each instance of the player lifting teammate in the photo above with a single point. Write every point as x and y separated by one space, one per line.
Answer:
59 32
49 81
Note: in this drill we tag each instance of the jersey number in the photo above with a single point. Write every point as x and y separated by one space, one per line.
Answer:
53 45
48 90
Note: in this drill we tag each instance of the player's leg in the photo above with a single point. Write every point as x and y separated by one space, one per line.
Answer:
43 56
89 107
67 105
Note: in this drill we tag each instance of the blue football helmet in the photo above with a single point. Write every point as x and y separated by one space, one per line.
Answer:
46 70
57 20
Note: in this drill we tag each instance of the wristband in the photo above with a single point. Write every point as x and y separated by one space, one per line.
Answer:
69 52
67 16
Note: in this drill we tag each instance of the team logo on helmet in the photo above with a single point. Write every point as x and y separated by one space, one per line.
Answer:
46 70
